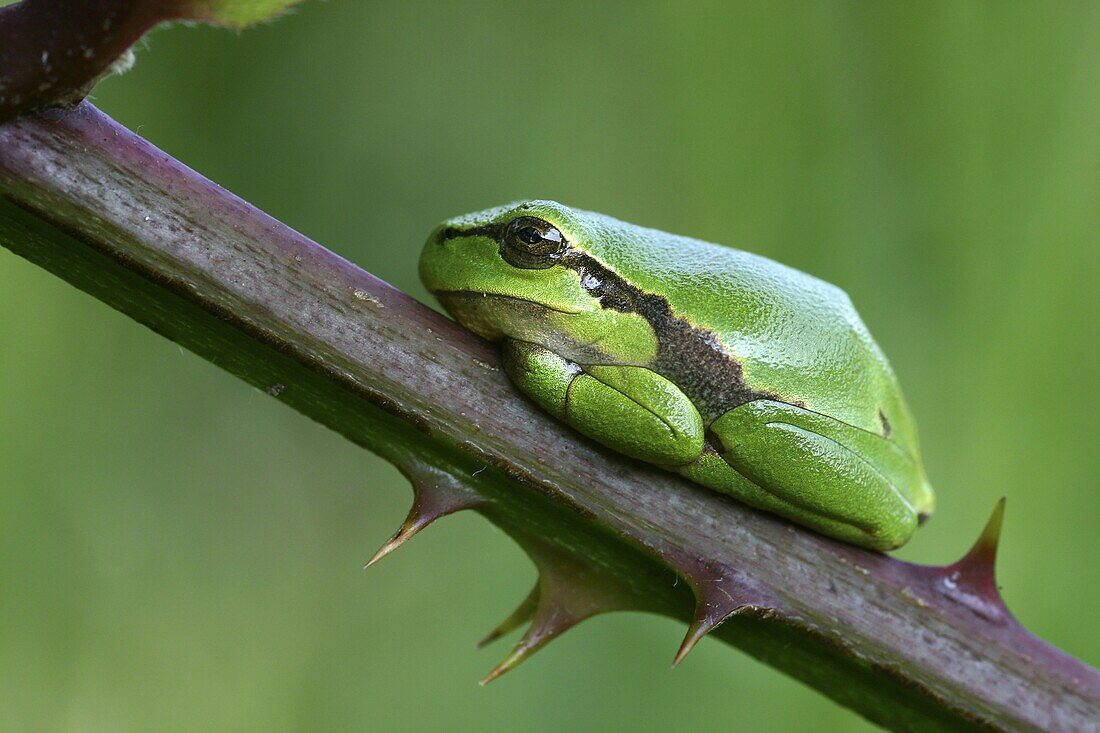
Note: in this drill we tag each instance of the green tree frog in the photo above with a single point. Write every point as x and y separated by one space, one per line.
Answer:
743 375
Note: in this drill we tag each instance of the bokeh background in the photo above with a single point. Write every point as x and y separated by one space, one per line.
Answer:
179 552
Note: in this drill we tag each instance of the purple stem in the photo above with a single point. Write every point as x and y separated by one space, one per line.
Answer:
908 646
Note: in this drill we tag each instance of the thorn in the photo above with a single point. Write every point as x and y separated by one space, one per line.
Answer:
720 592
510 662
497 671
699 628
436 494
705 623
976 569
523 613
513 659
406 533
549 623
569 590
972 580
984 551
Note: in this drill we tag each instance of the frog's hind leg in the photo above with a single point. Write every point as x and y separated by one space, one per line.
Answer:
812 469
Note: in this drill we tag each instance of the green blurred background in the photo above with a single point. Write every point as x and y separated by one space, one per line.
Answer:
180 552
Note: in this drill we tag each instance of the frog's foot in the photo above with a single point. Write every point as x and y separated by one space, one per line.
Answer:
815 470
631 409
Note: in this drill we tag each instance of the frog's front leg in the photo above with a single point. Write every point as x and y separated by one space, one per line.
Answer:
813 469
631 409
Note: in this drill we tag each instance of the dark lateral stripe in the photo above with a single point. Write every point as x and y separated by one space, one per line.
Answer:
692 357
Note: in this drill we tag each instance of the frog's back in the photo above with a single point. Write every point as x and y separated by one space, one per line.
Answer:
794 335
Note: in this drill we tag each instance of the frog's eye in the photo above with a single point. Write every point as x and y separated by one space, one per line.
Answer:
532 243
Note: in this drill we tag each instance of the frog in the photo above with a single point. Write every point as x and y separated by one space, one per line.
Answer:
743 375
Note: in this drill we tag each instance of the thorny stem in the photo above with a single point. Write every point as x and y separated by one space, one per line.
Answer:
907 646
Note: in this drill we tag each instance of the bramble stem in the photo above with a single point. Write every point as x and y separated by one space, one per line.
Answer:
105 210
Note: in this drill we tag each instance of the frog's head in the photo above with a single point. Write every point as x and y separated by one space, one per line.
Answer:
525 271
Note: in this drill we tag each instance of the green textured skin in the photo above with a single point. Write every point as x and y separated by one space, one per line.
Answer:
633 409
780 398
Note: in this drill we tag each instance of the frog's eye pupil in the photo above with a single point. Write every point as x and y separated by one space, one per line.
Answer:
532 243
530 235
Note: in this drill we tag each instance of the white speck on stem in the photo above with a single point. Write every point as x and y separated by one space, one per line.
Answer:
367 297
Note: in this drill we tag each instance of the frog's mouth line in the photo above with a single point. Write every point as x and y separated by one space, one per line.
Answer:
443 295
